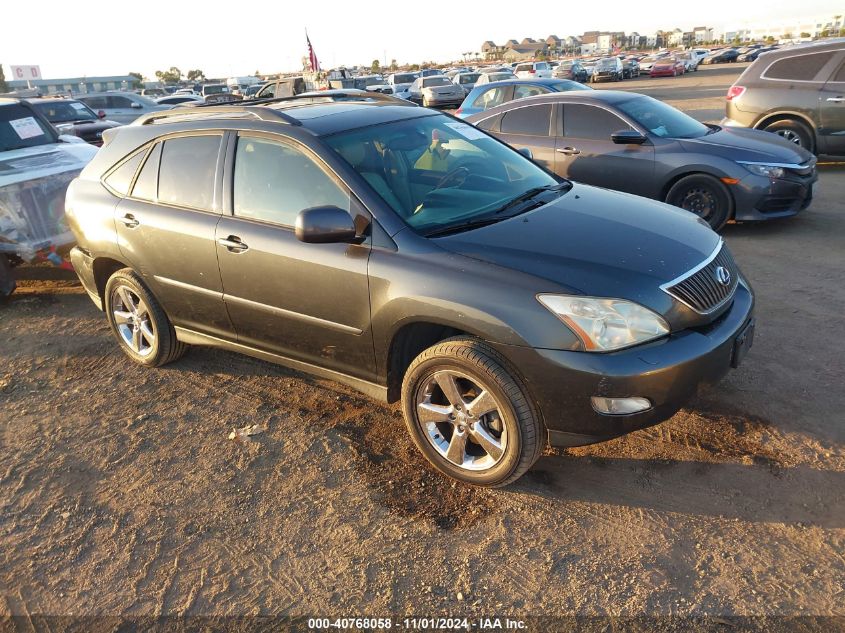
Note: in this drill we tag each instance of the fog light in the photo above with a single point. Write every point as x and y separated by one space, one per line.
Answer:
620 406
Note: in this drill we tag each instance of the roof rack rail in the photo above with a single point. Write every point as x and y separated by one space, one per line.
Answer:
263 114
334 94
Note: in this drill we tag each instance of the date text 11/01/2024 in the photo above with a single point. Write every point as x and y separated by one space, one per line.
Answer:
417 624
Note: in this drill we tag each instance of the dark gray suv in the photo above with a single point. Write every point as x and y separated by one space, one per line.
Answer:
408 254
796 92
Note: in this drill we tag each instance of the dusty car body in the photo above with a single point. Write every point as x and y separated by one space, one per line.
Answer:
36 167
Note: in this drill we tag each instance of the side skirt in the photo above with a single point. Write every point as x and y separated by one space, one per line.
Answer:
377 392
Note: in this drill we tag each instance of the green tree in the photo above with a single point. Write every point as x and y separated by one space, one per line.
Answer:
138 82
375 66
194 75
3 85
172 76
787 36
770 39
414 67
393 65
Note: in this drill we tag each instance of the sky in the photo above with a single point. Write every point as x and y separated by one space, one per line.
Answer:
119 37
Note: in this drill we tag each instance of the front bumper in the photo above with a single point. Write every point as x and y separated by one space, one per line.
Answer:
434 100
668 372
759 198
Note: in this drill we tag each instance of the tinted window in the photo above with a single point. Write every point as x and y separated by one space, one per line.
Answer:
590 122
489 98
121 178
63 110
147 181
520 92
274 182
524 68
541 66
489 124
840 74
533 120
188 167
804 67
119 102
95 103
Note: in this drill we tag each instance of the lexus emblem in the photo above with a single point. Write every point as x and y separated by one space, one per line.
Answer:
723 276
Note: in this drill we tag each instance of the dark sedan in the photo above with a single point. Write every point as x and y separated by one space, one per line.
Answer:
633 143
70 116
723 56
573 70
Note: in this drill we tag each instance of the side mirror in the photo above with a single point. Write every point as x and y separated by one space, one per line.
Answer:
136 105
101 114
627 137
325 225
526 152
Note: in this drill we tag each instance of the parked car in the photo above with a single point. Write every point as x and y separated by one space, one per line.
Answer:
630 68
690 61
570 69
488 96
36 166
218 93
430 72
489 78
282 87
252 91
646 64
417 259
400 84
724 56
466 80
633 143
753 54
533 70
122 107
667 67
435 90
607 69
178 99
71 116
589 66
798 93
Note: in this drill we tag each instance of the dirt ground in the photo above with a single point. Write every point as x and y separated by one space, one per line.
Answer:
120 493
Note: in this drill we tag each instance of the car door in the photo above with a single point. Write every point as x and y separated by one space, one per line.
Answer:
166 229
120 109
308 302
584 151
832 112
529 127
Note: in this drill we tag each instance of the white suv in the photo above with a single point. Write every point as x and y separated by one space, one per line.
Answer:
533 70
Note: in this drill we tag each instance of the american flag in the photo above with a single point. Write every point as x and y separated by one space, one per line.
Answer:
312 56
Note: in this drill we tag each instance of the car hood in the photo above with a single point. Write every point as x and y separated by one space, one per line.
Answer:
30 163
736 143
597 242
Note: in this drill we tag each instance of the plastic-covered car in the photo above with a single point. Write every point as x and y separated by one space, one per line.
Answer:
36 167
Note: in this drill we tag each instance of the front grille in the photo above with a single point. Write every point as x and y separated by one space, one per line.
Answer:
701 288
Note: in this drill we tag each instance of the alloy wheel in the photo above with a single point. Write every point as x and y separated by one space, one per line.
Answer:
462 420
791 136
132 319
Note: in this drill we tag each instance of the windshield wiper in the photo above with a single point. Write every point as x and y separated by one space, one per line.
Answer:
531 193
463 226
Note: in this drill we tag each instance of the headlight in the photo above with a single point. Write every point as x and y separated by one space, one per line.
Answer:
606 324
769 171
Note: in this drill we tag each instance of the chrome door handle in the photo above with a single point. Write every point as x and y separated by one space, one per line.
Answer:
836 99
569 151
130 221
233 244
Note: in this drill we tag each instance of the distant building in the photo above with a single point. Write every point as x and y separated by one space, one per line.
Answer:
703 34
76 85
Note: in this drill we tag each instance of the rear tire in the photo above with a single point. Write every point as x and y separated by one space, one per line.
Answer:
469 415
139 323
704 196
793 131
7 278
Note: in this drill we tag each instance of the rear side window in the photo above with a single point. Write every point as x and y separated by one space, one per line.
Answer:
146 185
800 67
530 120
119 102
95 103
490 124
840 74
590 122
275 181
187 171
121 178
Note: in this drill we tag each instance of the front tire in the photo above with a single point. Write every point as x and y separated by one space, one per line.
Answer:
470 415
139 323
703 195
793 131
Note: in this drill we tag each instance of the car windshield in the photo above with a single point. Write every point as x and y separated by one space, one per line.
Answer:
662 120
606 63
62 111
436 81
215 90
19 128
438 173
403 79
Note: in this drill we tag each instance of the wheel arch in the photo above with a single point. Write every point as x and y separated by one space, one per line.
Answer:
774 117
675 177
105 267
